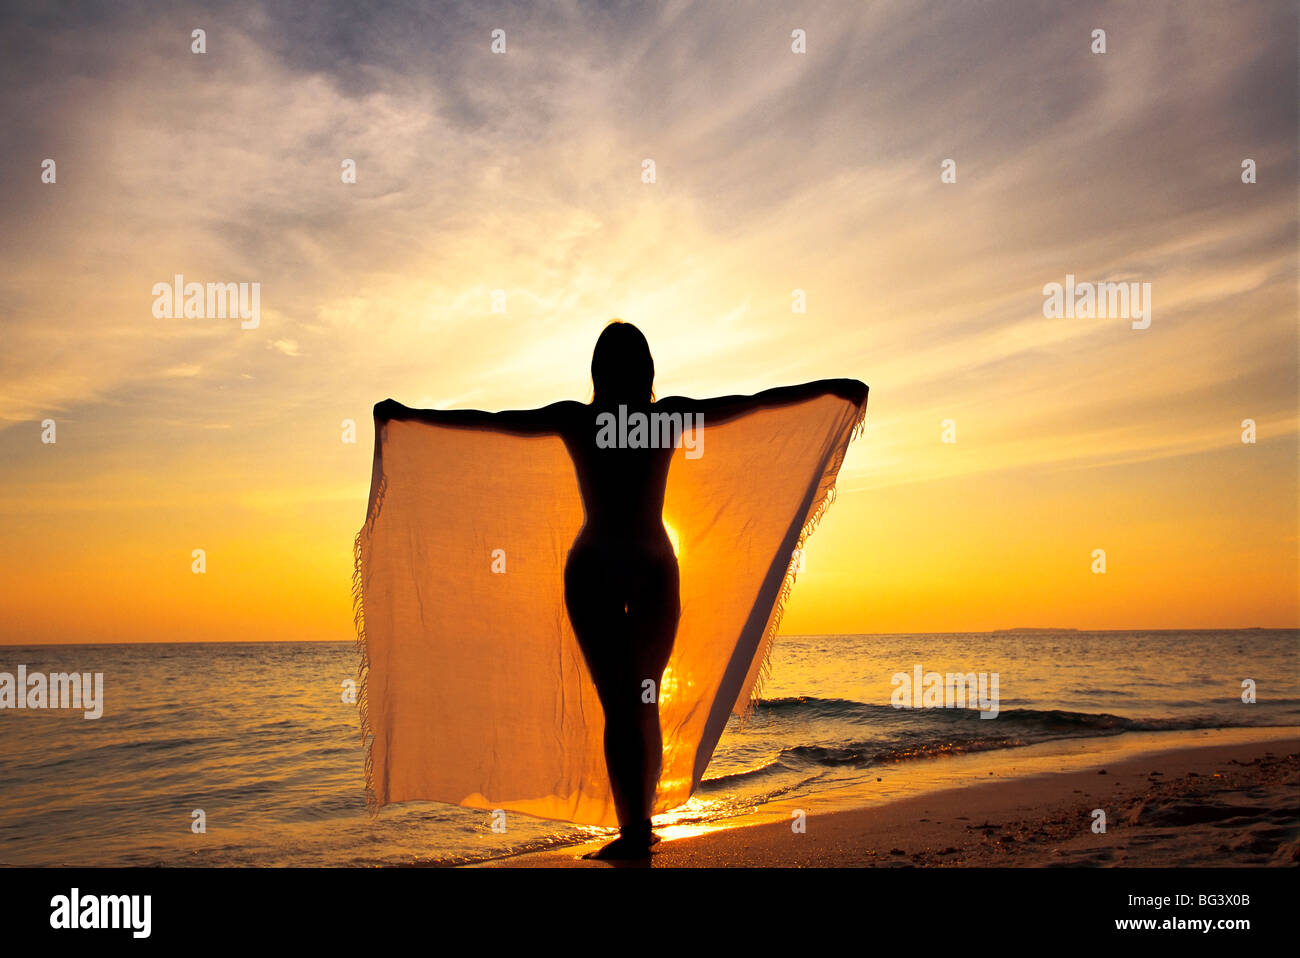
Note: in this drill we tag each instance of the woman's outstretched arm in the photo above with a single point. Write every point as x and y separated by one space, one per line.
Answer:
722 408
522 422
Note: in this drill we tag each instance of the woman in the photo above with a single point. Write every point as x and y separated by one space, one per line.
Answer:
621 584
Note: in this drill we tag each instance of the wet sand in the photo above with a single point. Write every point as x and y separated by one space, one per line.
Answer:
1222 798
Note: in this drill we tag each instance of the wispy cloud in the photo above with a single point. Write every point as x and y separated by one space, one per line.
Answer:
519 175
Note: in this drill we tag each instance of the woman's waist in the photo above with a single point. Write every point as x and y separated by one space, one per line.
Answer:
623 539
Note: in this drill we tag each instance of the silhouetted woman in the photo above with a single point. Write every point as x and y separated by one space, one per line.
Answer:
621 579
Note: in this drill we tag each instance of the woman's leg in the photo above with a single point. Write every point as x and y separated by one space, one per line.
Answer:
625 619
653 610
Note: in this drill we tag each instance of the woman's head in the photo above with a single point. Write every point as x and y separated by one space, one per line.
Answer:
622 370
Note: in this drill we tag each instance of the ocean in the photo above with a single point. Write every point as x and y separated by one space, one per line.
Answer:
257 738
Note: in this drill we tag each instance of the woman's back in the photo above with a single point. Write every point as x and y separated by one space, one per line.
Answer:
622 483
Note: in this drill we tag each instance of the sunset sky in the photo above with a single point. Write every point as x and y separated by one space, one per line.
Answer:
775 171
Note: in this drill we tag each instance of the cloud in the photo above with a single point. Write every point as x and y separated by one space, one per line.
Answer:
183 371
521 173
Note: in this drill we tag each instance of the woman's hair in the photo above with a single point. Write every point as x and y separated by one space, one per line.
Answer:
622 369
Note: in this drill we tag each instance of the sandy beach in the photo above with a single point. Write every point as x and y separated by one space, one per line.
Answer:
1216 798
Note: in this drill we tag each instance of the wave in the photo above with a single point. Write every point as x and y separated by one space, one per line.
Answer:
907 734
813 707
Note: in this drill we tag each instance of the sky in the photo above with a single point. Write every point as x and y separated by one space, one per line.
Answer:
775 171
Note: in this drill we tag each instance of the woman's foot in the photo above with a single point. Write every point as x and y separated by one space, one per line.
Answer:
621 849
631 844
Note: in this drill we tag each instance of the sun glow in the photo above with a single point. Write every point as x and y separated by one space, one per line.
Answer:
674 538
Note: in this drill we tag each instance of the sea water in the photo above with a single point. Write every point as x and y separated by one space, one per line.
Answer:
247 753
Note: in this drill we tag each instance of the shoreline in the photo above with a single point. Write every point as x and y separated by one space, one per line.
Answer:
1208 797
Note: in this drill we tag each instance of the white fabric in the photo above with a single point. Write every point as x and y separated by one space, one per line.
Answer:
474 690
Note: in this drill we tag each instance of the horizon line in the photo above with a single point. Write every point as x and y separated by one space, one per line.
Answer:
809 635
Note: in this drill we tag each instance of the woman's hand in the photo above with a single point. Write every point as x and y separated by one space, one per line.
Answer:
388 409
850 389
